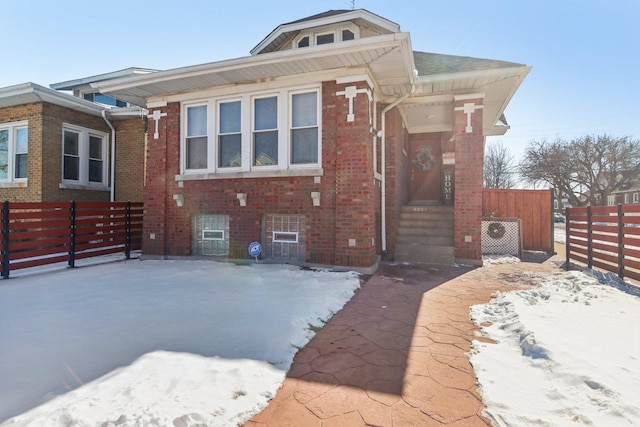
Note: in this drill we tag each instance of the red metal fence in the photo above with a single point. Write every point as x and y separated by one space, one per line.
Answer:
606 237
43 233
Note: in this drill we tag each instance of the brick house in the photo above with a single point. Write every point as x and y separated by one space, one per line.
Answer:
57 147
333 143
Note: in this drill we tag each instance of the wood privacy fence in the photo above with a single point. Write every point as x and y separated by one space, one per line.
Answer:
43 233
534 208
606 237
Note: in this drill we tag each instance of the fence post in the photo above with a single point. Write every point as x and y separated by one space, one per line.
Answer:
589 239
5 240
567 233
620 242
72 246
127 253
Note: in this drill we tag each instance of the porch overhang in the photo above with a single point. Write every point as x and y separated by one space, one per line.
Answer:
388 59
430 108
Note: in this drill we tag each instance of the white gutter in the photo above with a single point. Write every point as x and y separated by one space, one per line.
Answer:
113 157
383 193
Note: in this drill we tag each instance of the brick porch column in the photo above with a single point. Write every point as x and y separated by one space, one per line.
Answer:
355 190
469 156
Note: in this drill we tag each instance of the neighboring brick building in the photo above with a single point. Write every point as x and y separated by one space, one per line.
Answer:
56 147
317 144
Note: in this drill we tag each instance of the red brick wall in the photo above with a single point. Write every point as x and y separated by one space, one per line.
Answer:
468 182
397 178
348 193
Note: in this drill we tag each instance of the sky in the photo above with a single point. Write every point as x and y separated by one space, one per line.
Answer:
159 343
584 54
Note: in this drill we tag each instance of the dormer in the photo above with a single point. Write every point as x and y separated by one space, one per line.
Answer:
334 26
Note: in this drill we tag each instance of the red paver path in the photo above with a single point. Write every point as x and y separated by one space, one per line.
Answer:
396 354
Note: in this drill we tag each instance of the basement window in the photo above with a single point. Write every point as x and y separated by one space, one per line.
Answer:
212 234
285 237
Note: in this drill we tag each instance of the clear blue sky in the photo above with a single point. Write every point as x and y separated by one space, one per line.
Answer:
585 54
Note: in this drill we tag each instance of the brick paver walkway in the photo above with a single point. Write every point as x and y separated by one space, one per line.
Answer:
397 353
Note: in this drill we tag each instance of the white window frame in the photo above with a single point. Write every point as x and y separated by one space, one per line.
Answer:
205 231
12 130
294 234
328 29
278 129
83 156
636 197
611 200
183 145
626 198
284 165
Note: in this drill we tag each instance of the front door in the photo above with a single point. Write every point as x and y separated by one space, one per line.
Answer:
426 159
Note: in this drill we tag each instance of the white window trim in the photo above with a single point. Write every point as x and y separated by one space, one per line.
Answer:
274 237
284 167
336 29
13 127
83 183
636 197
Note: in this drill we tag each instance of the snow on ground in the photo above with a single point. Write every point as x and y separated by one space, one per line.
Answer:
566 352
156 343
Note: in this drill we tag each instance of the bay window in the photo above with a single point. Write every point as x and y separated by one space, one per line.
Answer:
266 132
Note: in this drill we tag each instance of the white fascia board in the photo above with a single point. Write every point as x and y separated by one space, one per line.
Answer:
438 78
328 20
43 94
390 40
86 81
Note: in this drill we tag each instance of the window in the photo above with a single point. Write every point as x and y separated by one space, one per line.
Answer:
304 128
626 198
14 147
636 199
230 136
84 156
303 42
104 99
348 35
196 150
267 131
324 38
611 200
327 35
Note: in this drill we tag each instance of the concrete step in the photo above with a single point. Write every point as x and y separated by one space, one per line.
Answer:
418 239
433 254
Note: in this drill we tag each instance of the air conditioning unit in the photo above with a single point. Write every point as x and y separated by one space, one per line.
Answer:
502 236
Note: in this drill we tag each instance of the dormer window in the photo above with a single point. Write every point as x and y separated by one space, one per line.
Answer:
325 38
348 35
327 35
303 42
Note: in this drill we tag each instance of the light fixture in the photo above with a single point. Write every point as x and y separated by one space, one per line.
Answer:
179 198
374 131
242 198
315 196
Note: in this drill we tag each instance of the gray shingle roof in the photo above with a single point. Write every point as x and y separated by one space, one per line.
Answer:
436 63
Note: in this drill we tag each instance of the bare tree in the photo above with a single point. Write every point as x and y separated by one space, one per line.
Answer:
584 170
499 168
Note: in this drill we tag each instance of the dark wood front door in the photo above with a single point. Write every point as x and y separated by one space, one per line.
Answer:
426 159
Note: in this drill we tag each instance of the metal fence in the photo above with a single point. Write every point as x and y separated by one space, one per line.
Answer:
40 233
606 237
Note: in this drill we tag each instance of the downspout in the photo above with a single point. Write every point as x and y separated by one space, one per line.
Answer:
383 193
113 157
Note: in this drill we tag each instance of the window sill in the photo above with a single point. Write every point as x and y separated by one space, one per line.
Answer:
19 184
65 186
253 174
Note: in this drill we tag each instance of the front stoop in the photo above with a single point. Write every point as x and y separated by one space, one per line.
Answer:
425 235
